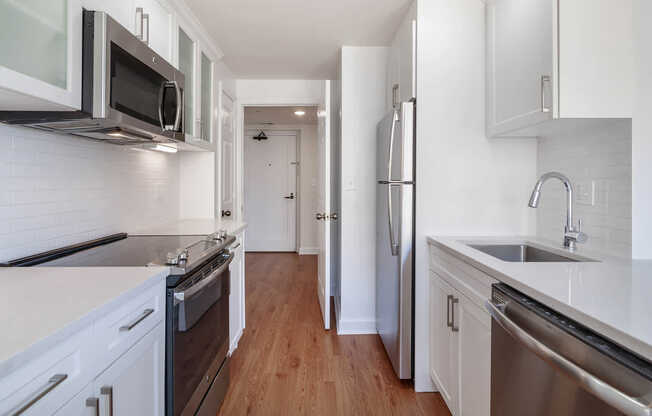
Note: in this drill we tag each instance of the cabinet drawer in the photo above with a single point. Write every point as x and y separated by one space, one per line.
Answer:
129 322
45 384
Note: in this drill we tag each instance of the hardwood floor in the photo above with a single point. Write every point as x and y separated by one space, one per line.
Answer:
287 364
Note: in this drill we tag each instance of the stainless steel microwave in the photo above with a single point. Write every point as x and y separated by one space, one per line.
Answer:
130 94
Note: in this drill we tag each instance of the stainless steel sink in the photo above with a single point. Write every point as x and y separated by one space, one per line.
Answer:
521 253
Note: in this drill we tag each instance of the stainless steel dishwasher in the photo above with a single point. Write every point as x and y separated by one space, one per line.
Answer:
545 364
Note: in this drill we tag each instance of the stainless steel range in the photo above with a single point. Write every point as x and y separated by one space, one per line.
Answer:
197 309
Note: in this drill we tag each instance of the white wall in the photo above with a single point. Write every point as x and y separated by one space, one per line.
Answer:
363 105
599 154
197 175
307 185
466 184
279 92
642 136
58 190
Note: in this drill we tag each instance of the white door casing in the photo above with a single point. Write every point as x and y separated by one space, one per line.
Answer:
270 171
324 204
227 128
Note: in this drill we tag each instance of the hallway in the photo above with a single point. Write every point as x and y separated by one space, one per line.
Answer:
287 364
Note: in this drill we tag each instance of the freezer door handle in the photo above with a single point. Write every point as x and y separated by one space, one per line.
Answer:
393 245
392 134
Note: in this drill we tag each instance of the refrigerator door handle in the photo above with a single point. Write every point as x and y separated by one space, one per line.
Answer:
392 244
395 118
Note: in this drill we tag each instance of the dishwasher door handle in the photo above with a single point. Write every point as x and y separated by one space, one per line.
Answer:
601 389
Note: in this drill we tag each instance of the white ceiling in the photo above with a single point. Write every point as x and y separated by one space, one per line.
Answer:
295 39
280 115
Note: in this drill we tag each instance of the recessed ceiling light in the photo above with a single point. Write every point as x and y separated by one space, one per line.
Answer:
300 112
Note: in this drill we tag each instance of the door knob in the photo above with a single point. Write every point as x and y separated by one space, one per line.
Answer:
333 216
320 216
289 197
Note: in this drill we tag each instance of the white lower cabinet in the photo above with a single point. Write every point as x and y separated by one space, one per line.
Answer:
237 296
133 384
460 349
83 404
83 375
475 358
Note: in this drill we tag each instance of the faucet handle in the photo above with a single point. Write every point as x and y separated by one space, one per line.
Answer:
578 235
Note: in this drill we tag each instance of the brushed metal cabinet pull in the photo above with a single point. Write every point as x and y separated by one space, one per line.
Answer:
108 391
454 328
95 403
33 398
139 23
448 311
544 80
130 326
145 29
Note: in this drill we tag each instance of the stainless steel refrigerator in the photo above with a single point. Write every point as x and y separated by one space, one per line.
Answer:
395 235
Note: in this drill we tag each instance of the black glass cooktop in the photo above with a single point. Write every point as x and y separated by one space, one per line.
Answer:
137 251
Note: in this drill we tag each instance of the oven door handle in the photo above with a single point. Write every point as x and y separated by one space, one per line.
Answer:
601 389
184 295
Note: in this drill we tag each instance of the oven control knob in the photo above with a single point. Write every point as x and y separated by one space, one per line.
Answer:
172 259
183 256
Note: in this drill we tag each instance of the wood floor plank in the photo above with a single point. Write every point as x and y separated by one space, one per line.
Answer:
287 364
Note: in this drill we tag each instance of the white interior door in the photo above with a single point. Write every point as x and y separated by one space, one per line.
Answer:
227 180
271 192
324 206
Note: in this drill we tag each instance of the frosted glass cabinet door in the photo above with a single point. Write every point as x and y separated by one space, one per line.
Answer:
206 95
187 66
40 53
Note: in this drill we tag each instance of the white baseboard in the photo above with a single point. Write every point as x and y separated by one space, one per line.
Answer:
303 251
234 343
356 327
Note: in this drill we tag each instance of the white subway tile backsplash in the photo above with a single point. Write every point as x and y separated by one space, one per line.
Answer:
57 190
602 155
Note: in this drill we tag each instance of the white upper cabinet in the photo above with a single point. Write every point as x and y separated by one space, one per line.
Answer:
553 59
402 60
206 99
150 20
158 27
40 55
122 11
187 65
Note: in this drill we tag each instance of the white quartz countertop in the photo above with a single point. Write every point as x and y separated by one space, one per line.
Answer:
40 306
195 226
612 296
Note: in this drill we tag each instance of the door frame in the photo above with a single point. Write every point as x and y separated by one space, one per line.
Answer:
239 144
297 137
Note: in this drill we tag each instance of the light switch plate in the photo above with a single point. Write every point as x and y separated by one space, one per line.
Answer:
349 183
586 193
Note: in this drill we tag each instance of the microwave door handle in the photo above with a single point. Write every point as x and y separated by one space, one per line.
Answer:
161 92
177 120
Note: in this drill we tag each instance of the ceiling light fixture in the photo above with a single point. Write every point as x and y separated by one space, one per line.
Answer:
164 148
300 112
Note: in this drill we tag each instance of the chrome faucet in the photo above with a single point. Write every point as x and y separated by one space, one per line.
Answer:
572 235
